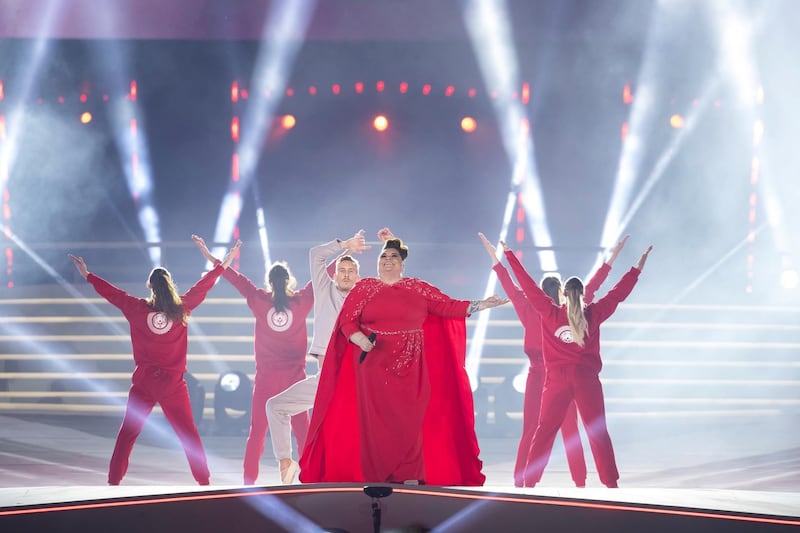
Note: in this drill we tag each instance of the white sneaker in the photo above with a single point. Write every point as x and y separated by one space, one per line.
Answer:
288 475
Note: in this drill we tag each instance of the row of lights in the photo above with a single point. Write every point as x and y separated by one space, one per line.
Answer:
240 93
379 123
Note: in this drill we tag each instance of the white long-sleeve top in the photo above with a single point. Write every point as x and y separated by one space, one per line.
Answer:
328 299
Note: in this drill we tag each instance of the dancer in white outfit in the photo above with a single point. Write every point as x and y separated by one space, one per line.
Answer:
329 294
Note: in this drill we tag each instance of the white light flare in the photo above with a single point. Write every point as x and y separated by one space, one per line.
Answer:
475 352
489 27
283 34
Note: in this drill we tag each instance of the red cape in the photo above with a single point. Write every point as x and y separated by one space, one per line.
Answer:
332 451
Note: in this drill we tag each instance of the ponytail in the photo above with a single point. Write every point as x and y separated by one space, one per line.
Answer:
573 292
164 296
282 283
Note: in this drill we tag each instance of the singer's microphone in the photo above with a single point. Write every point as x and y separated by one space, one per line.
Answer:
364 352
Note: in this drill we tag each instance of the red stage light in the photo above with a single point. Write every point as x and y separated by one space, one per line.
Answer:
86 117
244 94
380 123
627 95
526 93
312 90
449 90
235 129
468 124
426 89
289 92
83 97
2 91
471 93
379 86
235 91
403 87
288 122
133 91
336 89
359 87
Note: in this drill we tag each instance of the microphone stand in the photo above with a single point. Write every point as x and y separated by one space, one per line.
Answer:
376 515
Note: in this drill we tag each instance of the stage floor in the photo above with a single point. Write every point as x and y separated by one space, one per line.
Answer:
739 466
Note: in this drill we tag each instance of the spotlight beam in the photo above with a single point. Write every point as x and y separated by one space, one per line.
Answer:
129 133
642 118
282 35
38 52
473 360
488 24
713 268
666 157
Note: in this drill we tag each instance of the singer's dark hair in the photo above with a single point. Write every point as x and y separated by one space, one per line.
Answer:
398 245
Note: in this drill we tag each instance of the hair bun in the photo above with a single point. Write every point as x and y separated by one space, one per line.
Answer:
398 245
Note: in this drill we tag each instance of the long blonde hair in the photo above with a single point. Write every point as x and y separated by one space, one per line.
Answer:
573 293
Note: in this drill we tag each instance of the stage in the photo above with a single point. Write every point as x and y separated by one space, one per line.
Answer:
346 508
54 467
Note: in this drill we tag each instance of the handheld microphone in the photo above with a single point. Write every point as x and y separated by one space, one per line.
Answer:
364 352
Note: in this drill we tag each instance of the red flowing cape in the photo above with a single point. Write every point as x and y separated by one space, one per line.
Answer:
450 446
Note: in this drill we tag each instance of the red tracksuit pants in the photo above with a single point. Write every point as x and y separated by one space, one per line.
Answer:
264 388
530 420
151 386
562 386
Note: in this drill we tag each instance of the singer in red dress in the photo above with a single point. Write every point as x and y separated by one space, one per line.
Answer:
405 414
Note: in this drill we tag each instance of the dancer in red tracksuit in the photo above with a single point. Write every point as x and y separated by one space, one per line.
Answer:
532 346
281 338
571 342
159 340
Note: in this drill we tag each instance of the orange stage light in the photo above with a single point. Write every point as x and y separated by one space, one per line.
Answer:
288 122
468 124
380 123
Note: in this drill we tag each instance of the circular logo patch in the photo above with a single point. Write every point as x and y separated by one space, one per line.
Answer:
279 320
158 322
564 334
